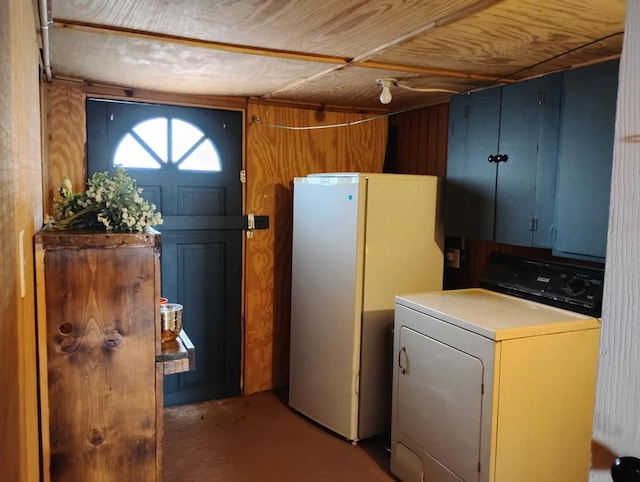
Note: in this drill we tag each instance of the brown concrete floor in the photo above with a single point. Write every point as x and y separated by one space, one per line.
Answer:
259 438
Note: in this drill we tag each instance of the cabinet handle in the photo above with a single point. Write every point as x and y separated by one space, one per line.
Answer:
403 369
498 158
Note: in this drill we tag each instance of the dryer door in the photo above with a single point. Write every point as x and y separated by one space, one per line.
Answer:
440 405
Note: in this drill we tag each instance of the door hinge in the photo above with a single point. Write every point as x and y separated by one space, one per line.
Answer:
467 111
243 176
541 98
533 224
482 389
242 324
479 466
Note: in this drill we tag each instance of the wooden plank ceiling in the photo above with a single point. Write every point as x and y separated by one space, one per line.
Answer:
327 52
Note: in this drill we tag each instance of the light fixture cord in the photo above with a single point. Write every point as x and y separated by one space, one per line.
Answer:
257 120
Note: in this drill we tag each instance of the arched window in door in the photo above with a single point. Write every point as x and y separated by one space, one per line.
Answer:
162 142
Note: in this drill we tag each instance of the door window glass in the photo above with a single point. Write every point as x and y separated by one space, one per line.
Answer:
162 141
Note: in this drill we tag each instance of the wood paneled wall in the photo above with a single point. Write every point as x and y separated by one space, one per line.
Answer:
418 141
67 128
274 157
20 217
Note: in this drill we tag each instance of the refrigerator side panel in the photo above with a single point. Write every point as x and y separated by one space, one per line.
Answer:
404 239
326 300
404 253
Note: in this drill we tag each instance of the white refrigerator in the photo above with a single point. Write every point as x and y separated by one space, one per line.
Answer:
358 240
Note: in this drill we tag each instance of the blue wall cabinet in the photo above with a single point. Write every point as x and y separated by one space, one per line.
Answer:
474 126
501 167
585 161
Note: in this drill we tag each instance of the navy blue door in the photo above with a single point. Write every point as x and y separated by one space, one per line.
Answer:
188 162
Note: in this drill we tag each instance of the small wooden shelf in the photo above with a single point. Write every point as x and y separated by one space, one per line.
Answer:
178 355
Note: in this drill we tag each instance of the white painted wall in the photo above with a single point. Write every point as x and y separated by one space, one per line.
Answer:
617 414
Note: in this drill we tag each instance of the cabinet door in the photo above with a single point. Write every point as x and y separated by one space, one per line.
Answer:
525 187
470 187
585 161
511 202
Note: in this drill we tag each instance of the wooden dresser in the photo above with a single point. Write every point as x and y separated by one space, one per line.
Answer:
99 339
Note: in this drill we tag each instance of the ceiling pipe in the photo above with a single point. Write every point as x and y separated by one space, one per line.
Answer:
44 32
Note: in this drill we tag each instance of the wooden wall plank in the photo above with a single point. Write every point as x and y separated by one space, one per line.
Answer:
67 134
432 139
20 216
425 131
274 157
440 168
9 409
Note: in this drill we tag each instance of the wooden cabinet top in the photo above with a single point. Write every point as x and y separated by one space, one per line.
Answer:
53 239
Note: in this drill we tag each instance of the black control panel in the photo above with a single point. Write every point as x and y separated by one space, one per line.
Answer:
572 287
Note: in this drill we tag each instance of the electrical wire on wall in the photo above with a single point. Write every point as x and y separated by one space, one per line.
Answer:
481 86
257 120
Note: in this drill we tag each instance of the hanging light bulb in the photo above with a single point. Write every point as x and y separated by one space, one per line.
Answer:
386 84
385 95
